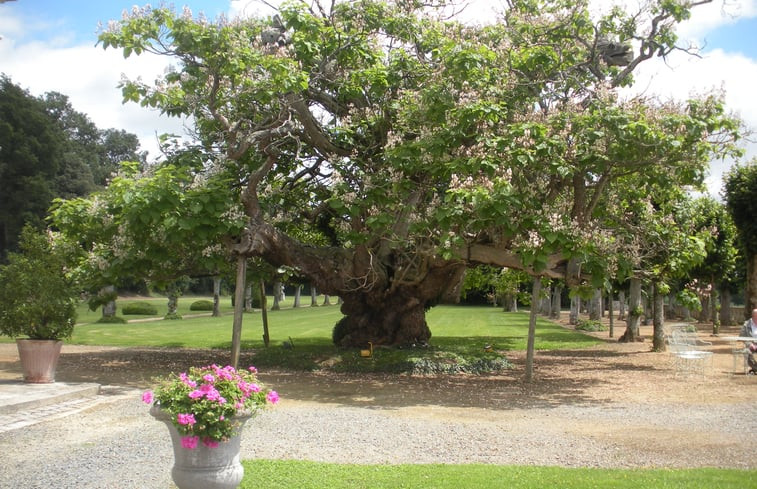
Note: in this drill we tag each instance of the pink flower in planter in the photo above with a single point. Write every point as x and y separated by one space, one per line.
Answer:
209 443
272 397
147 397
185 419
185 378
189 442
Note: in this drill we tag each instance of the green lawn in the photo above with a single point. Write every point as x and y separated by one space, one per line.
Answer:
448 324
85 316
460 334
311 475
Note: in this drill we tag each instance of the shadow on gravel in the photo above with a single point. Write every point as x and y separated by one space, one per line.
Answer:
557 382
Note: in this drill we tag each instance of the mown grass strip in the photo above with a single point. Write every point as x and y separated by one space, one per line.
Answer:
277 474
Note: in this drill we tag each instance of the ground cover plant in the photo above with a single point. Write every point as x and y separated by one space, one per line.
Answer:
307 475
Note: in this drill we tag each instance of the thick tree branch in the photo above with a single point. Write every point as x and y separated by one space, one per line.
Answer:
313 129
490 255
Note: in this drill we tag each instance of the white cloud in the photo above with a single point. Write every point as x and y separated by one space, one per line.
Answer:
705 18
682 76
251 8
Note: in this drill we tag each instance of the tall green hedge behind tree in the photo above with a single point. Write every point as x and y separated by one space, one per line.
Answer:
48 150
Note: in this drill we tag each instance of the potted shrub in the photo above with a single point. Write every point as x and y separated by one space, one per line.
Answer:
38 303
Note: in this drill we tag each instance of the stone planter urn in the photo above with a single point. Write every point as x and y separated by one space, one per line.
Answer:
205 467
39 359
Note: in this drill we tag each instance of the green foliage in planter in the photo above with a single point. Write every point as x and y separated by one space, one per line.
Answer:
590 325
139 308
38 296
201 305
111 320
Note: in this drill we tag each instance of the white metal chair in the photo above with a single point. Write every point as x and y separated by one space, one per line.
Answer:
685 347
740 359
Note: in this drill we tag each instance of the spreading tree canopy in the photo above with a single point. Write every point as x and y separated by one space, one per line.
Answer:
378 148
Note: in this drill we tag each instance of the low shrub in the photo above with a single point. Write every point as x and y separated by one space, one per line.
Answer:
139 309
590 325
451 363
172 315
201 305
111 320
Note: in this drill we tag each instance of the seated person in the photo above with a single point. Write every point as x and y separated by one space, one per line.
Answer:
750 329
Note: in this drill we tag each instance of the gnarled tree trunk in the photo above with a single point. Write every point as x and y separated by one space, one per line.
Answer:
556 301
248 298
173 305
575 309
715 309
109 308
394 316
530 342
276 295
621 305
386 291
216 297
634 312
313 295
595 305
726 318
297 295
658 319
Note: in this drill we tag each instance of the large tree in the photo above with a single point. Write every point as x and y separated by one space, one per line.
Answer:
414 146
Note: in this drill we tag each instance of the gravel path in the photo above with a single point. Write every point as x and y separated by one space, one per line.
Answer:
614 405
117 445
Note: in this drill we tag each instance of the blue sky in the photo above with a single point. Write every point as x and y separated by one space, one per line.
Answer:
77 20
739 37
49 45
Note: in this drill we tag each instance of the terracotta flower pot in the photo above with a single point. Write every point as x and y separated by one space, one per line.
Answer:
39 359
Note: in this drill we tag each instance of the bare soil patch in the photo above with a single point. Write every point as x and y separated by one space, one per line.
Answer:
610 372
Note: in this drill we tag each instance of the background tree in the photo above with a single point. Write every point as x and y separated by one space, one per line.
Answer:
423 146
49 150
718 269
31 150
741 199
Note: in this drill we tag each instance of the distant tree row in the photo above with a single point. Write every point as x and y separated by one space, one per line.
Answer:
49 150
